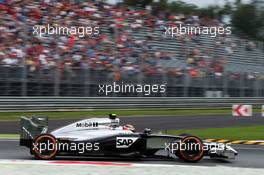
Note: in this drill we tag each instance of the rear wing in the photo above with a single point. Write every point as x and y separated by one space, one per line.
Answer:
32 127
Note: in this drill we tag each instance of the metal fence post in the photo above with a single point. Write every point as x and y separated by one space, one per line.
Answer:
86 82
225 84
242 86
57 82
185 84
140 82
255 88
258 87
205 84
24 78
165 82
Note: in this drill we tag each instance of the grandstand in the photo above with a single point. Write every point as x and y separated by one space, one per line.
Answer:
132 48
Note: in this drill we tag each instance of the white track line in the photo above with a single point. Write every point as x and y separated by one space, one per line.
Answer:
9 140
78 163
250 148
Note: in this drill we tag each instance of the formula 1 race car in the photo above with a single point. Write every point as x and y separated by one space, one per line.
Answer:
105 137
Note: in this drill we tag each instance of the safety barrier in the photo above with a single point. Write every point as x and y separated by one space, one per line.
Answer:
91 103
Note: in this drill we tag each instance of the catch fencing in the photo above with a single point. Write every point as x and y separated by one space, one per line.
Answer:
84 82
92 103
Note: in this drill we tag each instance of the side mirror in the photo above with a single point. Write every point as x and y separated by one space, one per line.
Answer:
112 116
147 131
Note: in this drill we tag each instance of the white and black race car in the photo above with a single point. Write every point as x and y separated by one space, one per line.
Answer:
105 137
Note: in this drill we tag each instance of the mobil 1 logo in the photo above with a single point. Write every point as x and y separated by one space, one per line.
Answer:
125 142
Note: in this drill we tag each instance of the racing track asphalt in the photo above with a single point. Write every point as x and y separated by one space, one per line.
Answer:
157 123
249 156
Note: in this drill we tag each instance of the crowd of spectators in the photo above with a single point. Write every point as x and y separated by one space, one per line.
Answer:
115 50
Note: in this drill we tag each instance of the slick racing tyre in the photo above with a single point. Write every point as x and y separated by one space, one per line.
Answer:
45 147
190 149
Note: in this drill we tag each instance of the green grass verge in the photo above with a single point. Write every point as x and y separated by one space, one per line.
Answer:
9 136
230 133
139 112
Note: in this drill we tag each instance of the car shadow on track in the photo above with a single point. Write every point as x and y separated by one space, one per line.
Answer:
169 161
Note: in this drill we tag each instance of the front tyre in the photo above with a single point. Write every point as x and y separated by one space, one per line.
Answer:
45 147
190 149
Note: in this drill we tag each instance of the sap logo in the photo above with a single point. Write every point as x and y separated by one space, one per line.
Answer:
125 142
90 124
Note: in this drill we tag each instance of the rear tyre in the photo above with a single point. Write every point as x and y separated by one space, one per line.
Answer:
44 147
190 149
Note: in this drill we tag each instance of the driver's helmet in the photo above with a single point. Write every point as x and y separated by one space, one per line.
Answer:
129 127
